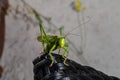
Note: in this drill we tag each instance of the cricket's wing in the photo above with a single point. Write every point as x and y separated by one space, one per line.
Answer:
47 39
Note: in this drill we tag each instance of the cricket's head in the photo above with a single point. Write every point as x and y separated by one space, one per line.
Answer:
61 41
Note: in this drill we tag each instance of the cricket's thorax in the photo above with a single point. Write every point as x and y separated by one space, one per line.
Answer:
61 41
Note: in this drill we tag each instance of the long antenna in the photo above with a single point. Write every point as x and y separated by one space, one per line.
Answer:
60 30
77 27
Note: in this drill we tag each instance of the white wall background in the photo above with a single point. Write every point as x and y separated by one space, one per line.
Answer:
102 37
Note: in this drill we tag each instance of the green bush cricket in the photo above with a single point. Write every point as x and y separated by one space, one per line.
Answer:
51 42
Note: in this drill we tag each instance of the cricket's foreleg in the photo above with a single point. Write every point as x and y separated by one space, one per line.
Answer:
50 54
65 57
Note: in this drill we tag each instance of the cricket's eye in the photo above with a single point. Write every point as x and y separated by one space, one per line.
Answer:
62 42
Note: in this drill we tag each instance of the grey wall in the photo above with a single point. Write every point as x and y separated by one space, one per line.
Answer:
100 37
